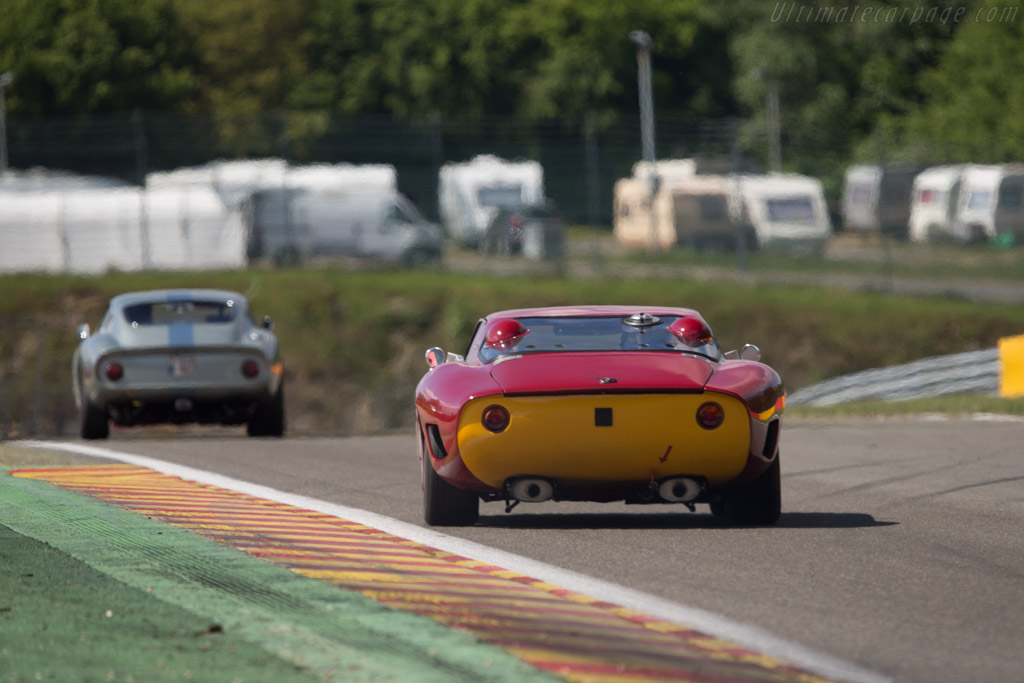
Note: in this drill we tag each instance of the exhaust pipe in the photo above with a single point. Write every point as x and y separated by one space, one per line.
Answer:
531 490
679 489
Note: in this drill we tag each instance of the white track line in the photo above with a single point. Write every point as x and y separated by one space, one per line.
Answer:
701 620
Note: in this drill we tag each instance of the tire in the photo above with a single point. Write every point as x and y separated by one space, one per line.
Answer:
92 421
443 504
756 503
269 417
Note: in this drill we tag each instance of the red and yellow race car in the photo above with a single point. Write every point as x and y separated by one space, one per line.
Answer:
599 403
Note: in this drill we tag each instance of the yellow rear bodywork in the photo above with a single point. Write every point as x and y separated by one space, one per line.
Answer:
651 435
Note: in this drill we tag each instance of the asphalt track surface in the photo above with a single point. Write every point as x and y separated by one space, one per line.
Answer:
898 556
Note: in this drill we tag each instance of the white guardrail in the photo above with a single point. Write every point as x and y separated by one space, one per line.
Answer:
958 373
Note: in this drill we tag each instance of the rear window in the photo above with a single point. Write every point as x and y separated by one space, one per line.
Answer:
979 199
557 335
507 197
167 312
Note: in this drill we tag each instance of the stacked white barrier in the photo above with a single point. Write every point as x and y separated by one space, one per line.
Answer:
92 230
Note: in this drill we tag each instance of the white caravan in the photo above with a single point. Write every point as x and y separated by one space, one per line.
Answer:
979 196
933 203
876 199
471 193
786 210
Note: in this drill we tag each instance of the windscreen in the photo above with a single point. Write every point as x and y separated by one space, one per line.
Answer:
559 335
167 312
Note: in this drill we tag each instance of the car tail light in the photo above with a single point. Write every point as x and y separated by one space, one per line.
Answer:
691 331
495 418
114 371
250 368
504 332
710 415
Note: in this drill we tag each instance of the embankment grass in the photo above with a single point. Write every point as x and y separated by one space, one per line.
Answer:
353 338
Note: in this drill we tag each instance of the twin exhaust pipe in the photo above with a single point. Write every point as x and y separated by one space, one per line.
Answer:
539 489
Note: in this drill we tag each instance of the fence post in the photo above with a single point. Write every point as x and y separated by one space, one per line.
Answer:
593 179
741 228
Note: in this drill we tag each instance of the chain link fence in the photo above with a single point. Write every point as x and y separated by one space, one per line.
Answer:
581 166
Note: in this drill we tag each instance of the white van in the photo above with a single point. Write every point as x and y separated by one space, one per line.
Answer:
933 203
471 193
786 210
876 198
292 225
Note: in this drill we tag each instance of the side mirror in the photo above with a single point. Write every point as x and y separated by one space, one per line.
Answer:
83 331
268 323
435 356
748 352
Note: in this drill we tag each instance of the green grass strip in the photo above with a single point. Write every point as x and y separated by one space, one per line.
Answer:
89 591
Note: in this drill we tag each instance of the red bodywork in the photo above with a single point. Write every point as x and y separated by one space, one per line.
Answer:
444 390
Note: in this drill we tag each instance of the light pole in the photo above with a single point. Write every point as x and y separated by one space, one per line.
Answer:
6 79
643 59
772 117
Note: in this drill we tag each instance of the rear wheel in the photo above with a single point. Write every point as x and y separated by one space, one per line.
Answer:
756 503
268 419
92 421
443 504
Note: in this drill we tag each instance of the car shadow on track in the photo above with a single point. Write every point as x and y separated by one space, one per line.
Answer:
788 520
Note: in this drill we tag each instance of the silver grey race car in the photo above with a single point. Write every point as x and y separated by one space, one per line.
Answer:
179 356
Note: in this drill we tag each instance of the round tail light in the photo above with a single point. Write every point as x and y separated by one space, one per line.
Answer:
710 415
250 368
114 371
495 418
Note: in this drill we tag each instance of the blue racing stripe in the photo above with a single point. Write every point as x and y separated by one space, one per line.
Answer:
181 334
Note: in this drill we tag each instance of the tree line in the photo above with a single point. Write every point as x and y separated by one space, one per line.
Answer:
922 80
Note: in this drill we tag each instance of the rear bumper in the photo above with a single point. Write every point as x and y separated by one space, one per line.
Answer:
605 440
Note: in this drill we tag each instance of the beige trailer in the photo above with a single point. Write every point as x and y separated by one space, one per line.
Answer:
692 207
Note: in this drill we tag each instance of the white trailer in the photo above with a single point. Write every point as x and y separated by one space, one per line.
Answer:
976 204
933 203
471 193
786 210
